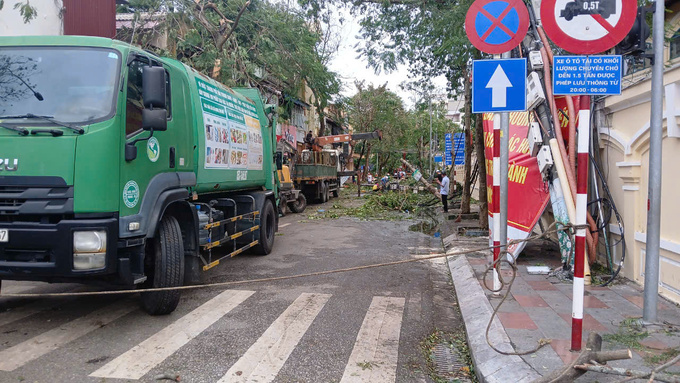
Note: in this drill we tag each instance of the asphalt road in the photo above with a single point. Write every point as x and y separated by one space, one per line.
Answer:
360 326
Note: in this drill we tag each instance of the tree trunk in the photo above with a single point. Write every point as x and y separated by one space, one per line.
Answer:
322 121
465 201
481 161
386 160
368 163
420 154
357 168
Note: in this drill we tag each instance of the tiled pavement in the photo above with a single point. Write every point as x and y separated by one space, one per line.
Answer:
539 307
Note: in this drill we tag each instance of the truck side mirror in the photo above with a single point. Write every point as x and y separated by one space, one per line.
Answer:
153 87
154 119
279 160
154 115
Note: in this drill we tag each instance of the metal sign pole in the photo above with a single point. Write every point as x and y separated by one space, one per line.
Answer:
578 288
495 200
504 159
654 181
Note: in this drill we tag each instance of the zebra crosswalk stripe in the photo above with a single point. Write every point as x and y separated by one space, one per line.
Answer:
139 360
264 359
33 308
17 356
376 350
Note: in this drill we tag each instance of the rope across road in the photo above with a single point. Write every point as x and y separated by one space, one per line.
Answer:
243 282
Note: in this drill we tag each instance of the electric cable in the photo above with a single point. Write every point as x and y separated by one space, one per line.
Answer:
619 221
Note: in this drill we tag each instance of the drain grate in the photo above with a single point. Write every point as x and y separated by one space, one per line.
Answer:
448 364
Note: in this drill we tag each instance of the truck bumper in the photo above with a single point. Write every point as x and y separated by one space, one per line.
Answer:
44 252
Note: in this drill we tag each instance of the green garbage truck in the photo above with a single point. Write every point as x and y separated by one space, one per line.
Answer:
121 167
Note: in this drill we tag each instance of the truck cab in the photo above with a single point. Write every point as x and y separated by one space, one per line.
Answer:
109 157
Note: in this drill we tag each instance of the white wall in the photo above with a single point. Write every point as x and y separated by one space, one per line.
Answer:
48 21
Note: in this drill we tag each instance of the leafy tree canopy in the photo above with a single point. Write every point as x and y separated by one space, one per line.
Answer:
426 35
249 43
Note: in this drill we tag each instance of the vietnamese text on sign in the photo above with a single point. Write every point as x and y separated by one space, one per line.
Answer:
592 75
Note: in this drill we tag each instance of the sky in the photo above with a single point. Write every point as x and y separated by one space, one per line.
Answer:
351 68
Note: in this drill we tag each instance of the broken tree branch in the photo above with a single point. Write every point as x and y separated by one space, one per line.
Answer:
654 371
627 372
592 352
215 31
226 37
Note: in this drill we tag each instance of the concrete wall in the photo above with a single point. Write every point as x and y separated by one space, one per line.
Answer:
624 147
48 22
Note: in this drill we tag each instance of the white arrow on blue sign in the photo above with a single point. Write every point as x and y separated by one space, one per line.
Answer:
499 85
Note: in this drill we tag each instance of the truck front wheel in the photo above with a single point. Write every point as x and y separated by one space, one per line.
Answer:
165 262
299 205
267 229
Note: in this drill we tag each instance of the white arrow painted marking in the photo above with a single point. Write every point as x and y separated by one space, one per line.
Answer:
499 84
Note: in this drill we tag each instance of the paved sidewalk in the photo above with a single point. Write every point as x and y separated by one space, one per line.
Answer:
539 307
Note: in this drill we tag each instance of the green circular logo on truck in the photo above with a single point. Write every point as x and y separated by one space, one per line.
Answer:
153 149
131 194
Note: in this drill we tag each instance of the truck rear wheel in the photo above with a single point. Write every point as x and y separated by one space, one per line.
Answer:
299 205
324 192
267 229
166 268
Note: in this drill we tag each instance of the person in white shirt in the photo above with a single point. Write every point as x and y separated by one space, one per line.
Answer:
443 182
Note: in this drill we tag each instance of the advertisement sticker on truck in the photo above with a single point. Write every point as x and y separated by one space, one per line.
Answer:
233 136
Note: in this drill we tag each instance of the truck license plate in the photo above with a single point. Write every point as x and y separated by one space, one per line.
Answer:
4 235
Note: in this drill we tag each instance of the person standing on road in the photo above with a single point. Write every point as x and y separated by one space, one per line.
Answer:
443 182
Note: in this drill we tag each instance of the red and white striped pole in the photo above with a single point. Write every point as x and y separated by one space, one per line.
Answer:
581 208
496 199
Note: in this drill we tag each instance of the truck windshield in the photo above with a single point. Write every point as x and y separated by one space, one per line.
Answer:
69 84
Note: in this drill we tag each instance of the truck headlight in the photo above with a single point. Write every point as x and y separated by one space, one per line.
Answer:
89 261
89 250
89 241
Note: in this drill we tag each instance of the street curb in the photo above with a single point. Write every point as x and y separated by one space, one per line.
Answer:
490 366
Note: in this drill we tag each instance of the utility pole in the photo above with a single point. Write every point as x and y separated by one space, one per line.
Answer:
429 106
654 180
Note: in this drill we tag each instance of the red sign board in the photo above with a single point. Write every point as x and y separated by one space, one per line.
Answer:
289 133
587 26
527 193
496 26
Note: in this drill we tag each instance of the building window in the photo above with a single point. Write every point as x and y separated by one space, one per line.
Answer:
675 45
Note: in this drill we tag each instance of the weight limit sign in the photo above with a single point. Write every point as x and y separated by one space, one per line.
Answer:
587 26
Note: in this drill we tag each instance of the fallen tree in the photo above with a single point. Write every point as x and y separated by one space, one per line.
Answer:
431 188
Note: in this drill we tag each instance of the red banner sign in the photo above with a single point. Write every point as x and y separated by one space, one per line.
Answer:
289 133
527 193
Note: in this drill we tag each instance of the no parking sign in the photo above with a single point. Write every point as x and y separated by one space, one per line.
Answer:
496 26
587 26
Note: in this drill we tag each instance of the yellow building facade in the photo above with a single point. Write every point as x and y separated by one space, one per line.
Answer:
623 125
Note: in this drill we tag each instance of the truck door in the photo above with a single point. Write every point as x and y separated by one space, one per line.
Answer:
153 155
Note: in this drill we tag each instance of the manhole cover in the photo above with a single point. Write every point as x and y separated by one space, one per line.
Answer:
448 364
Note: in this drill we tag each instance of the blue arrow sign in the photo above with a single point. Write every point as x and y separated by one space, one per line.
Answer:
499 85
